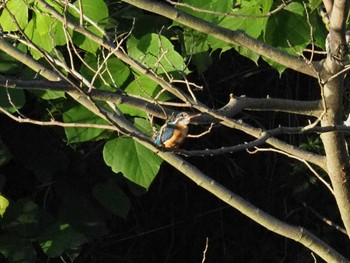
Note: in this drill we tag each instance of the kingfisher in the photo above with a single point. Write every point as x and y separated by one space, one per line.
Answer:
174 133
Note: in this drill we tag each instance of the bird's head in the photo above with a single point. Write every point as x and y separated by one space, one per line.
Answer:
183 119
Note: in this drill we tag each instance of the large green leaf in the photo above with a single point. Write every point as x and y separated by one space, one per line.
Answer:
246 19
135 161
157 53
80 114
11 99
288 29
19 9
45 32
60 237
97 11
112 198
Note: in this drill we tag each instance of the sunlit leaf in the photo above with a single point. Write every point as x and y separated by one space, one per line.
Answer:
4 203
80 114
158 53
45 32
96 10
19 10
49 94
133 160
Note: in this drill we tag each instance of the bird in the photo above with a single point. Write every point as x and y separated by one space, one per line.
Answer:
173 133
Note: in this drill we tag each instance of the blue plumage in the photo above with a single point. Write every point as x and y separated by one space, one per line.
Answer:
174 133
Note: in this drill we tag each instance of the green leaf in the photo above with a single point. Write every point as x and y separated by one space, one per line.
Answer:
280 68
145 87
158 53
288 29
11 99
197 48
96 10
19 9
143 125
49 94
110 196
135 161
45 32
85 43
16 249
60 237
4 203
50 28
80 114
251 25
248 54
313 4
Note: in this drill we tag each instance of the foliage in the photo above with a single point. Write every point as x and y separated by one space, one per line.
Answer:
63 188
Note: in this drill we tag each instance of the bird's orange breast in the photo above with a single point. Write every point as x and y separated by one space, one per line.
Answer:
179 136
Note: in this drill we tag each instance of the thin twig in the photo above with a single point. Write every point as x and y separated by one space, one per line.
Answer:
205 249
326 220
299 159
53 122
200 10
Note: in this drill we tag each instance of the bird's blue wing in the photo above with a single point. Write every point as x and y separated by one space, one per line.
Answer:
164 135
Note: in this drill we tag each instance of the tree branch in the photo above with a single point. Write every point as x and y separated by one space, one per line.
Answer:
234 37
308 108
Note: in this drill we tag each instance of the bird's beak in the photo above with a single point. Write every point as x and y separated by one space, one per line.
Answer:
196 115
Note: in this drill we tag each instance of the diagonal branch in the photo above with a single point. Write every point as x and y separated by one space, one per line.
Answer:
234 37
